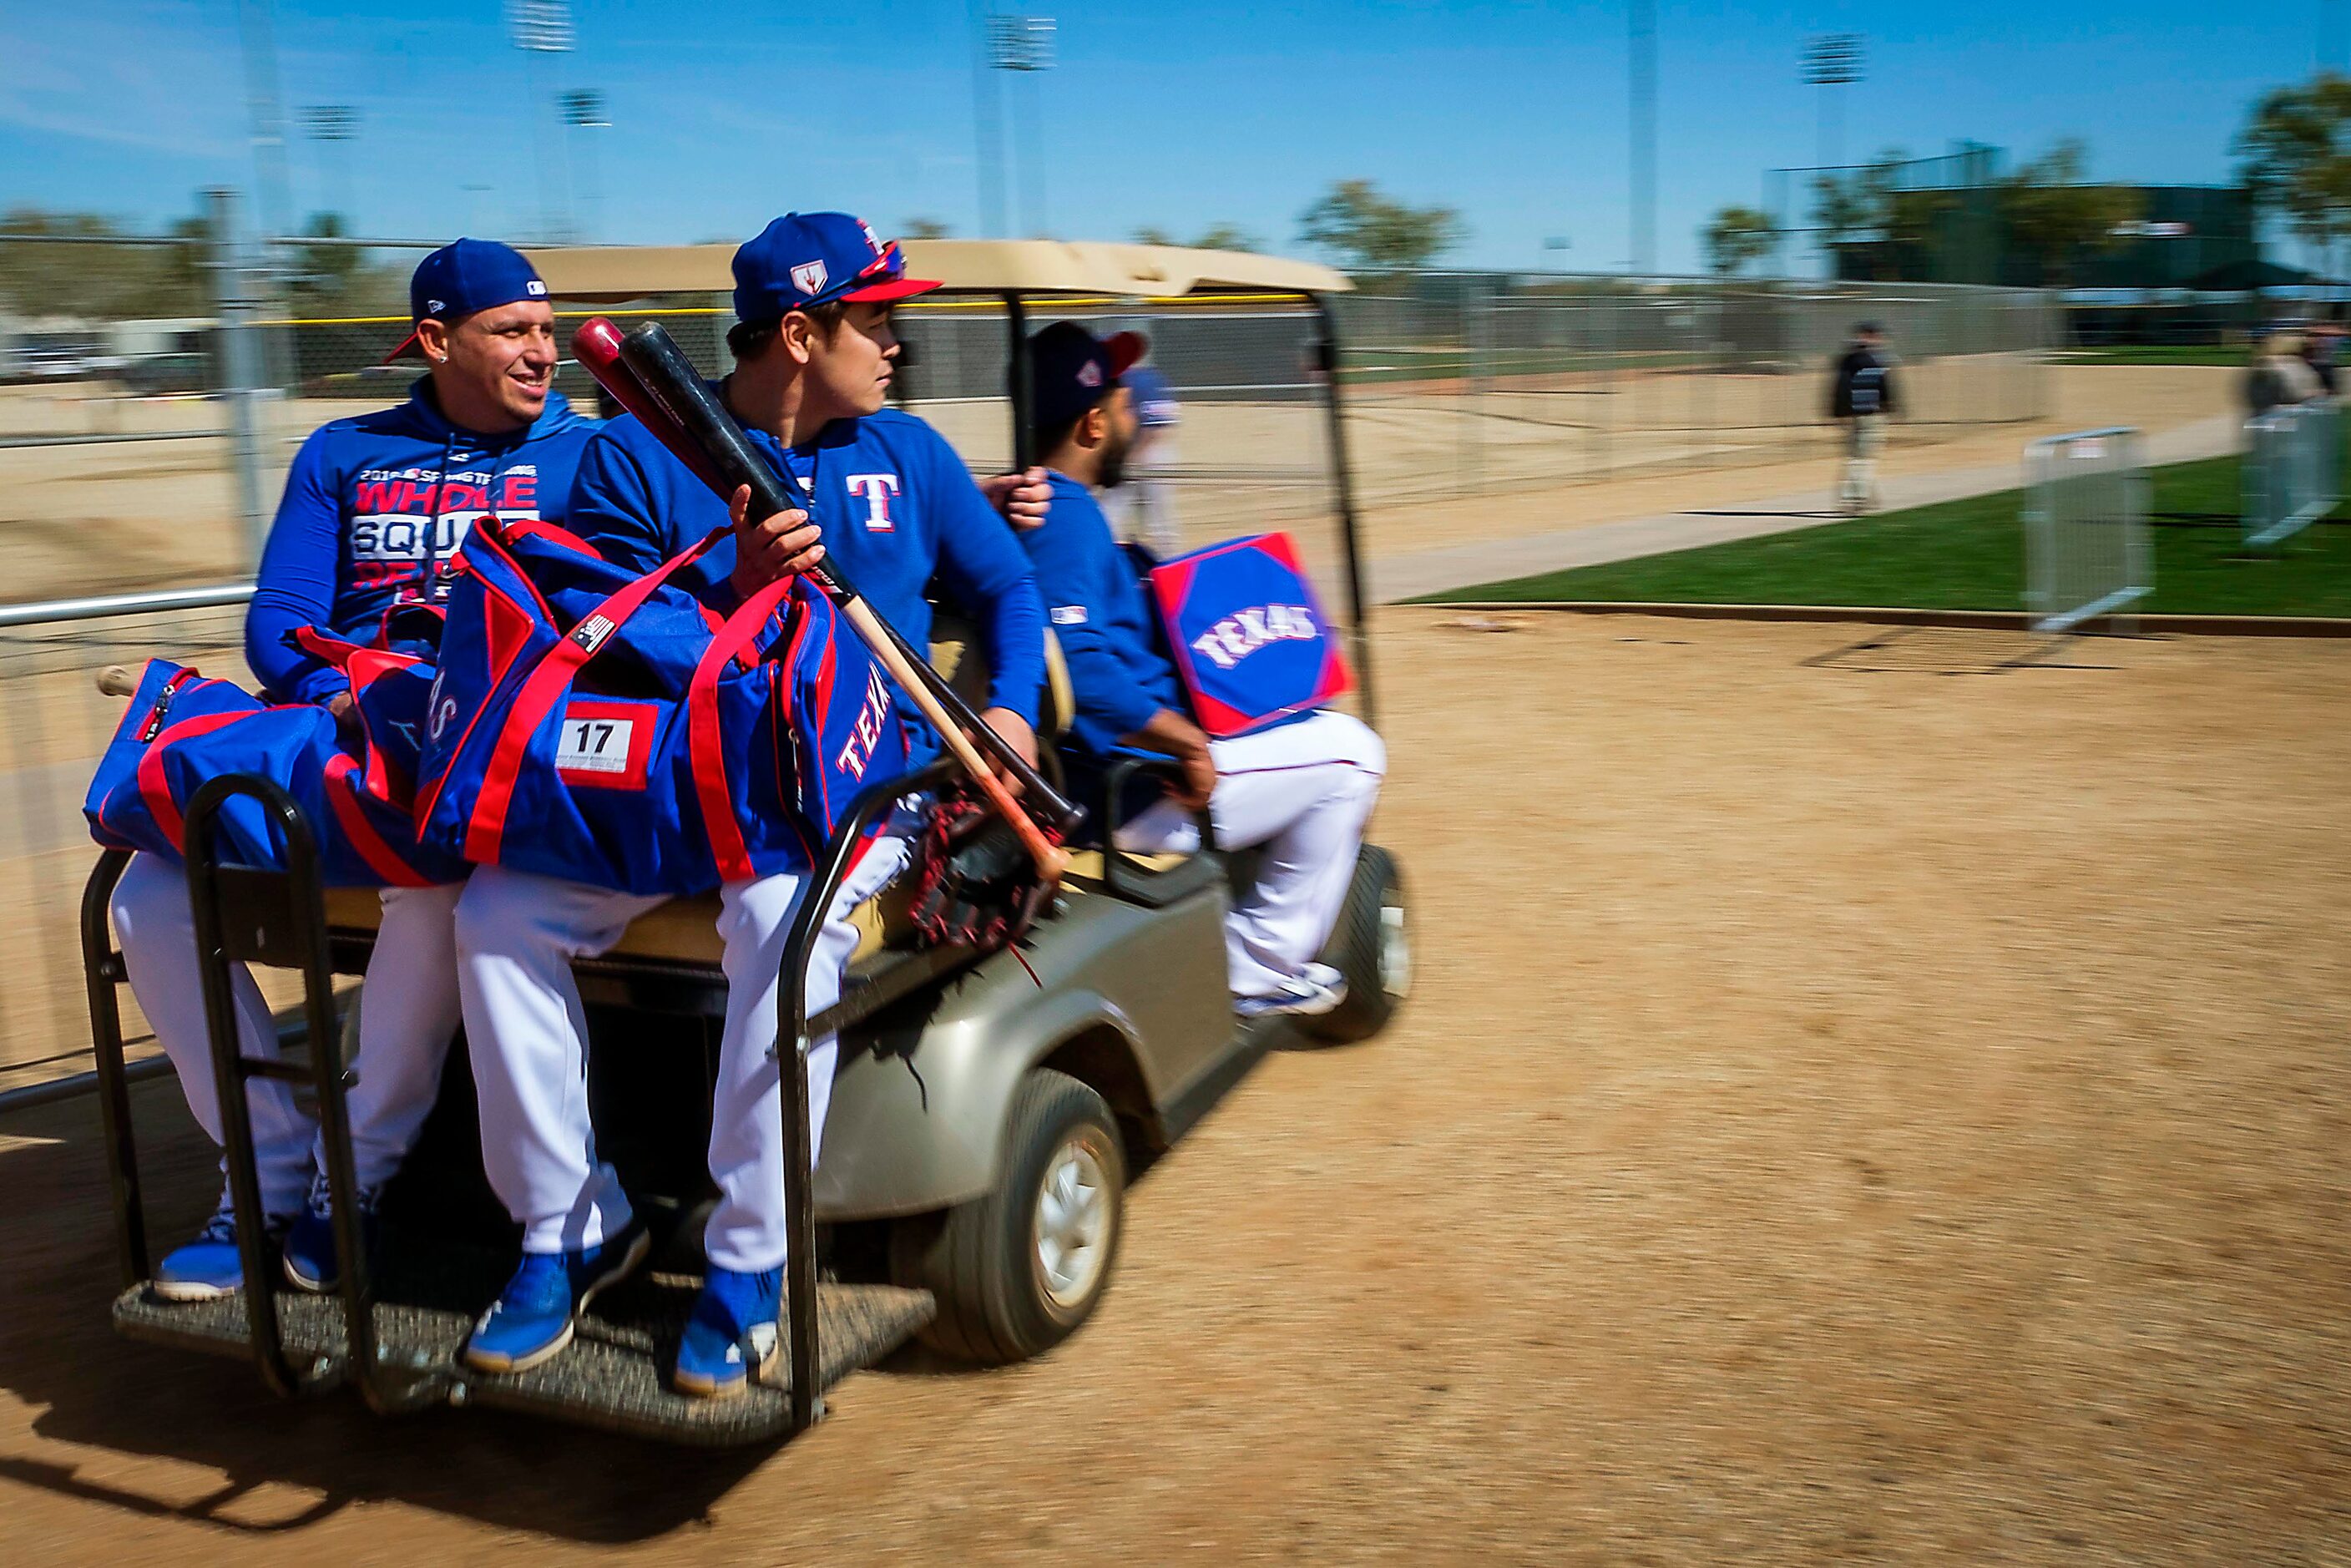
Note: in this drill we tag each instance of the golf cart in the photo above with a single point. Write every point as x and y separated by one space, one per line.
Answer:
989 1104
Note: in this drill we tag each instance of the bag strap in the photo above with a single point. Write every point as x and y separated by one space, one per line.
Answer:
156 789
382 857
705 742
545 686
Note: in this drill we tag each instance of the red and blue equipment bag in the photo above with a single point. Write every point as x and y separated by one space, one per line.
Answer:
181 730
1247 636
603 727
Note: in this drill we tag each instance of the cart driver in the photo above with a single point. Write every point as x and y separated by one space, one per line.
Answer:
814 351
1304 788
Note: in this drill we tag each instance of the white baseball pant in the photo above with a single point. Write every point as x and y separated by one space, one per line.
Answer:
406 1022
517 935
1304 790
1865 438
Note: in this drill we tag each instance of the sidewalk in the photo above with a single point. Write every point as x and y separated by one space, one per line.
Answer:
1392 578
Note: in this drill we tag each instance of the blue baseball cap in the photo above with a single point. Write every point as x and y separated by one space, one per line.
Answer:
462 278
1071 370
815 258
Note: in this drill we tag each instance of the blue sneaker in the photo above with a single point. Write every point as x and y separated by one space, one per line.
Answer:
530 1322
733 1335
207 1268
311 1243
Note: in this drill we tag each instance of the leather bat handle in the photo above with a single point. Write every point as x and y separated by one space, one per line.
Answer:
652 378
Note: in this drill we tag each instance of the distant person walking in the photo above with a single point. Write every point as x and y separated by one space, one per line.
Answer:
1859 398
2320 348
1142 509
2279 377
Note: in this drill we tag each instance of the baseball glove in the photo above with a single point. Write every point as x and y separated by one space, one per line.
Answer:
972 884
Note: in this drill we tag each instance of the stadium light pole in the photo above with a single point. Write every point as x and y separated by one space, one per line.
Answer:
583 110
332 126
1024 45
541 27
987 127
1641 21
1832 60
258 33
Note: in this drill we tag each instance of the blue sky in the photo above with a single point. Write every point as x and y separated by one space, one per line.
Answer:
727 112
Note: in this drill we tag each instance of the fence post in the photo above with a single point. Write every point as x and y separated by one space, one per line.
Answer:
1479 302
233 291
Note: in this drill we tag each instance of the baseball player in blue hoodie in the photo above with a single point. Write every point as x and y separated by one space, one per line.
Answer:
1303 787
374 506
814 354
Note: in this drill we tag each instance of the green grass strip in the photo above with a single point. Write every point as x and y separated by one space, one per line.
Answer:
1970 555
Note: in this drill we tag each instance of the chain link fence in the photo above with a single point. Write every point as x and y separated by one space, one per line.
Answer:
152 390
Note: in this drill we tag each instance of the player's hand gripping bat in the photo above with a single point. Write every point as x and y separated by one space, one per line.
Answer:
652 378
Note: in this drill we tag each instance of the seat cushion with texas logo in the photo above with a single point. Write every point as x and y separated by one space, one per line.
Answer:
1248 636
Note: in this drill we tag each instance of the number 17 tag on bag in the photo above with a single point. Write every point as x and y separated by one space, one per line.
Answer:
605 745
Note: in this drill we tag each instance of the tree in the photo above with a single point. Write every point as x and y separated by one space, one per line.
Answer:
2296 153
1374 233
322 273
1216 236
1841 210
1864 206
1738 236
922 228
100 281
2054 217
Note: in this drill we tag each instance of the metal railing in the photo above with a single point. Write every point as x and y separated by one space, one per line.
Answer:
2085 528
2294 470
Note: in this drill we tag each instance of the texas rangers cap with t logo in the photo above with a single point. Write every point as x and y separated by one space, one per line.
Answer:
815 258
464 276
1071 370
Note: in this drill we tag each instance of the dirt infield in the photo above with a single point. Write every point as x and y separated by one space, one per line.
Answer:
1859 1101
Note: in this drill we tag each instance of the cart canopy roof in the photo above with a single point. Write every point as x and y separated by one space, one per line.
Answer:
616 273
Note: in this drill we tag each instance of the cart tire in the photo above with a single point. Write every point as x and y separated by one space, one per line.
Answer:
1372 946
1009 1283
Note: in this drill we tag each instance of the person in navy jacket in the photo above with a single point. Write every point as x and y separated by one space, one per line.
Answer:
898 512
374 508
1303 787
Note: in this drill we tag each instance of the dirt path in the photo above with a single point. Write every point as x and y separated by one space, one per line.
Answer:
1869 1105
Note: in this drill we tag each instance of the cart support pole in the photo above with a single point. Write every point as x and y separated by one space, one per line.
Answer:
266 915
1328 350
102 971
800 1210
231 1071
1020 378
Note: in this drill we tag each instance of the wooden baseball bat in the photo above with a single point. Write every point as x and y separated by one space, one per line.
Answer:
651 377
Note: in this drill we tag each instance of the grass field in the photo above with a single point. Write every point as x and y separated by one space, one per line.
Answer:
2156 354
1970 555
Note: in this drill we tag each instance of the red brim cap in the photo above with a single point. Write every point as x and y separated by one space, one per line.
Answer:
1126 349
895 288
408 347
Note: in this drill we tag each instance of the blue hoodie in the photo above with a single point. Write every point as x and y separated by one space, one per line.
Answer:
896 505
1108 631
374 506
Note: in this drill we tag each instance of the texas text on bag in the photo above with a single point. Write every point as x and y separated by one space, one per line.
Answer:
613 729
